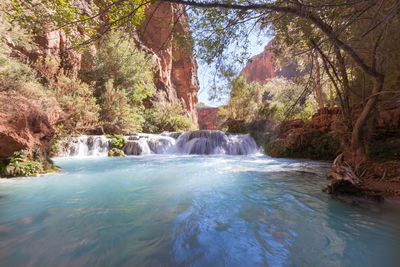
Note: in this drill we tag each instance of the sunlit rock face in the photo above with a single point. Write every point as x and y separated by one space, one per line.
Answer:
176 70
23 126
164 33
263 67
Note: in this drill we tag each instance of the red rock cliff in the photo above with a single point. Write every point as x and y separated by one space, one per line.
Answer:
262 67
162 34
22 126
176 72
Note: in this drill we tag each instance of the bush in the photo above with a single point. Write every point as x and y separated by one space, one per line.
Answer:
166 116
78 103
117 141
20 165
117 115
117 59
315 145
384 150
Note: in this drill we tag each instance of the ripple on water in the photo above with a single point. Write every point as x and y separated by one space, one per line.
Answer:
190 210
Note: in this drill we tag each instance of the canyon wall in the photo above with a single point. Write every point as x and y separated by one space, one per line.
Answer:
263 67
166 34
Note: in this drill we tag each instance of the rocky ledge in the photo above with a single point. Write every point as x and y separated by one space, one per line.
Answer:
25 137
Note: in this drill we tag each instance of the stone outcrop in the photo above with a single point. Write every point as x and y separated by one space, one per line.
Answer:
51 45
166 34
23 126
263 67
208 118
314 139
324 138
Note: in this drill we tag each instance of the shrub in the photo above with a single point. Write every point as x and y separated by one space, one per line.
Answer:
166 116
117 59
20 165
384 150
313 145
78 103
117 115
117 141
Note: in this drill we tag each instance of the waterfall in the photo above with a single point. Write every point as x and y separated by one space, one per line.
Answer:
141 144
207 142
85 145
202 142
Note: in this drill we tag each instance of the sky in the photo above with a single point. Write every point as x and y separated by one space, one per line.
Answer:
257 44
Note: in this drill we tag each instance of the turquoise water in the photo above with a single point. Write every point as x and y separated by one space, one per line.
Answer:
191 211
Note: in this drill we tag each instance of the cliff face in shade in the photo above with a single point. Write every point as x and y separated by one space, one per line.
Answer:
177 67
22 126
262 67
208 118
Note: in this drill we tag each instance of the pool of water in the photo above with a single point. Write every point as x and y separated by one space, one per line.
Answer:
163 210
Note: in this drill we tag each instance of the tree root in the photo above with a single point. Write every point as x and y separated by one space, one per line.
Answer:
344 179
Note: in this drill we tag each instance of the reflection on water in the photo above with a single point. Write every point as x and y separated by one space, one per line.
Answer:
190 210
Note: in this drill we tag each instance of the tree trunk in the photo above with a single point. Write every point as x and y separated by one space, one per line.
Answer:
318 86
357 145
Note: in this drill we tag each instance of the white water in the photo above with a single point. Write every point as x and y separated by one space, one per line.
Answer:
85 145
196 142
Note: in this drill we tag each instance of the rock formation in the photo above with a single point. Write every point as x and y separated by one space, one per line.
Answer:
165 33
324 138
208 118
314 139
22 126
263 67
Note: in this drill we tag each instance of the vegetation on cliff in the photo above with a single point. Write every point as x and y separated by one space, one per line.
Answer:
114 80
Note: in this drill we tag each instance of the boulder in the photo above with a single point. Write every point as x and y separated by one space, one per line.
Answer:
23 126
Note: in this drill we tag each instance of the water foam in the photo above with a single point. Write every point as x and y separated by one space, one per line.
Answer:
204 142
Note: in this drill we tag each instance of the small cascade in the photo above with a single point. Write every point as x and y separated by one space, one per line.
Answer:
207 142
93 145
203 142
142 144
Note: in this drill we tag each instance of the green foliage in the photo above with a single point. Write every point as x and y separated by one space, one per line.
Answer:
20 165
279 99
165 116
312 145
287 100
384 150
201 105
117 114
67 14
244 101
115 152
117 59
77 101
61 134
117 141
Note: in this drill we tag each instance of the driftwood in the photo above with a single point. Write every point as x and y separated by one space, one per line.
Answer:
344 179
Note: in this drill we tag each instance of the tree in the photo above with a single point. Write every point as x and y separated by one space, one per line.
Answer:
330 28
336 25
